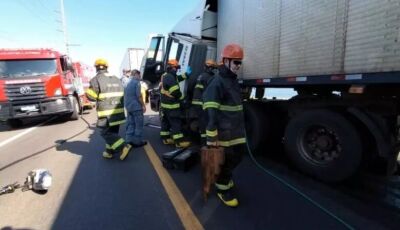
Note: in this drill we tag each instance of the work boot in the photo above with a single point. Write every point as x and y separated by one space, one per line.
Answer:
227 194
183 144
107 155
168 141
125 151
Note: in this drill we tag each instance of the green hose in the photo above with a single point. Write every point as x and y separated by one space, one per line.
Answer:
296 190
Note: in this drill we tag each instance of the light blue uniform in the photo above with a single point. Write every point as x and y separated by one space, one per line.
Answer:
134 121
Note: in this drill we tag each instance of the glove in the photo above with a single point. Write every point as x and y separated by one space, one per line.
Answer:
188 70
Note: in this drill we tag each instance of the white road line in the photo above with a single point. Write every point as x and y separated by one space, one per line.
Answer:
153 126
23 133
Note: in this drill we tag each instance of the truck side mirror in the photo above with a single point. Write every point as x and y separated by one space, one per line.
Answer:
69 65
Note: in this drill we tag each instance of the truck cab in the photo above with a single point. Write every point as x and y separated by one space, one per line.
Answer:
191 42
36 82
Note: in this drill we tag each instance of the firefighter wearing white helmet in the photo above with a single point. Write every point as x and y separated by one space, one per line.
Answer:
107 91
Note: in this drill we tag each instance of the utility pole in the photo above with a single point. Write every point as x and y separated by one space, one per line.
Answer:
63 30
64 26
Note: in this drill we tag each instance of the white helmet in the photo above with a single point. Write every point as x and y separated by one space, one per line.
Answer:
39 180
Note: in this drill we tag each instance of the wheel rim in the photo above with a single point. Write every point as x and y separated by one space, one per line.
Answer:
320 145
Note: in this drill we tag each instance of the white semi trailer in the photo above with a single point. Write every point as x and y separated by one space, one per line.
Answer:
342 57
132 59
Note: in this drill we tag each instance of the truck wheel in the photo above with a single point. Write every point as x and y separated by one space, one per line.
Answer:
324 144
76 109
264 128
15 123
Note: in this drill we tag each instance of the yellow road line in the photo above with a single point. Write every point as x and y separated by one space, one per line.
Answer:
185 213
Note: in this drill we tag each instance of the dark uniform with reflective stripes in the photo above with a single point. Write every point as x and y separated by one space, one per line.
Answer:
197 102
223 103
171 99
107 92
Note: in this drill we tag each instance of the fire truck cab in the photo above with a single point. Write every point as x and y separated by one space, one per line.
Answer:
36 82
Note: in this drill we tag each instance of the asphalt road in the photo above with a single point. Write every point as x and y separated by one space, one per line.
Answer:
89 192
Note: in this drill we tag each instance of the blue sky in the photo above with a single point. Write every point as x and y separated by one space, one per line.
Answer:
101 28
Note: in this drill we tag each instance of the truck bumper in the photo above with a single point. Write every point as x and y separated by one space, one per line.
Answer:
22 109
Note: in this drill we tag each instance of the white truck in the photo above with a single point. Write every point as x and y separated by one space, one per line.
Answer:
132 59
341 57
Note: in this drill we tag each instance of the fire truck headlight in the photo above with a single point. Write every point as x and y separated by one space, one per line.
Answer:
57 92
59 101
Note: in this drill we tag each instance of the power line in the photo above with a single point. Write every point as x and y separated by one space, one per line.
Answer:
33 12
44 6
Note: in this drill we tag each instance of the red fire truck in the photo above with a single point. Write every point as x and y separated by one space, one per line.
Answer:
36 82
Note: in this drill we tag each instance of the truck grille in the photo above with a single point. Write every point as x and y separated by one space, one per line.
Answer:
30 91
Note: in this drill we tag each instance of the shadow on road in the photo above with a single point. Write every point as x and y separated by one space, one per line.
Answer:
33 121
11 228
57 144
113 194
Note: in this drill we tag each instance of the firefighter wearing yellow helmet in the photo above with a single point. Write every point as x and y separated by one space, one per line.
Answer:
106 90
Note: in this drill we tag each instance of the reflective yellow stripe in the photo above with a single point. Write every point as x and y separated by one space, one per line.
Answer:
117 123
182 97
113 94
212 133
109 112
117 144
91 93
222 186
177 136
164 133
203 135
231 108
166 93
199 86
108 146
173 88
211 104
184 76
197 103
172 106
232 142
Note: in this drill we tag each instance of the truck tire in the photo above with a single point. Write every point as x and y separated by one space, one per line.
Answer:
76 109
324 144
15 123
264 127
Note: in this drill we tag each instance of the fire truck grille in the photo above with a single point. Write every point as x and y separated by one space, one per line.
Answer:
30 91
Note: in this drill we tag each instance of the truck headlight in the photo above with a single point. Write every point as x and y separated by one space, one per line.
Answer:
57 92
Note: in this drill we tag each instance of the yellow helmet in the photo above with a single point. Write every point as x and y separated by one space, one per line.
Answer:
101 62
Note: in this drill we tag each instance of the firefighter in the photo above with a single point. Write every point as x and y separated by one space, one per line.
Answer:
171 100
197 111
225 127
106 90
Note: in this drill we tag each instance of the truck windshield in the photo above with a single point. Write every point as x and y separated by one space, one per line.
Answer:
27 68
